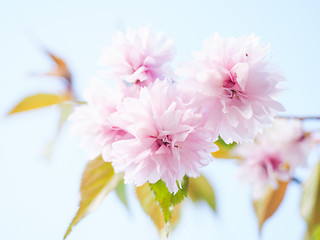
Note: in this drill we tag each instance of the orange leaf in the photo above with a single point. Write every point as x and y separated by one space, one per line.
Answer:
269 203
61 69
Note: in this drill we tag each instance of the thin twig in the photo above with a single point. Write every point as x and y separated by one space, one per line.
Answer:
301 118
296 180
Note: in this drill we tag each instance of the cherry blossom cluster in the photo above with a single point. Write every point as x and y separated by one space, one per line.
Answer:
162 124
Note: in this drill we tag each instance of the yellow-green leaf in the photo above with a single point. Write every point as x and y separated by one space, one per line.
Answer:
167 200
316 233
224 149
199 189
269 203
310 200
38 101
151 208
98 180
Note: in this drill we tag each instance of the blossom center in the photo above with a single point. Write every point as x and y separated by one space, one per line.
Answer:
232 89
228 83
271 163
275 162
166 140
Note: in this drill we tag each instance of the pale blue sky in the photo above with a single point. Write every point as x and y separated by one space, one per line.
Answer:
39 198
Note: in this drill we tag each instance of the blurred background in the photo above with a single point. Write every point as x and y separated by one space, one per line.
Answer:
39 197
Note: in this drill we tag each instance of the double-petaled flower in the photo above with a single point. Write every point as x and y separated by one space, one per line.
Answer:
234 86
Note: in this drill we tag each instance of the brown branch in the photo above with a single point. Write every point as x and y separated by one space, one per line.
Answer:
296 180
301 118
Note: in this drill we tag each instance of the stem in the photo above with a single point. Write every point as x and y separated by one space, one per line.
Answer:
301 118
166 231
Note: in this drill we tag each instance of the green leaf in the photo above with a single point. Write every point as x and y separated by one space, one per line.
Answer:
167 200
269 203
224 150
310 200
150 206
199 189
121 193
98 180
65 111
38 101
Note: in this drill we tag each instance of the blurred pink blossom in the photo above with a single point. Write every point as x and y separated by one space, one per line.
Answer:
287 136
91 120
234 86
139 57
168 142
274 155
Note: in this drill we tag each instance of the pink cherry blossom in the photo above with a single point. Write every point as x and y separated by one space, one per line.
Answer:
289 137
262 167
139 57
234 85
274 155
91 120
168 141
